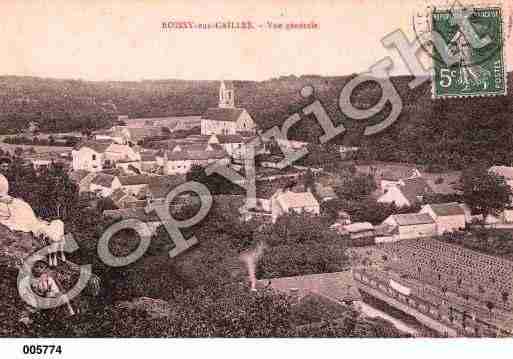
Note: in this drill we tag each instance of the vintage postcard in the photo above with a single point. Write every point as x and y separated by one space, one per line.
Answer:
271 169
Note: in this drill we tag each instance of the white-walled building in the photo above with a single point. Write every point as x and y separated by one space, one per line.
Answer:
286 201
104 184
449 217
226 119
93 156
408 192
182 157
411 225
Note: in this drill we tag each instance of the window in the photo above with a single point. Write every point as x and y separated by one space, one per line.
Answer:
94 157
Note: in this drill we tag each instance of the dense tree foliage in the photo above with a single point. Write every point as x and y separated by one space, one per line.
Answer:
485 192
453 133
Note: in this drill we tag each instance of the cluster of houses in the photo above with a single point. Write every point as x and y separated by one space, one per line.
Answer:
406 186
115 165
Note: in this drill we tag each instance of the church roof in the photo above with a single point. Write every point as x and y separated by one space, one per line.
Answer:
223 114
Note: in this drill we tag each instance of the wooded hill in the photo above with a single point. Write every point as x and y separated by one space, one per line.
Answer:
438 133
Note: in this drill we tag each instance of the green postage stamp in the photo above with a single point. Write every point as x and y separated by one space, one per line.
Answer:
469 57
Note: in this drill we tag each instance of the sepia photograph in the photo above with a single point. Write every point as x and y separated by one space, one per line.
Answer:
268 172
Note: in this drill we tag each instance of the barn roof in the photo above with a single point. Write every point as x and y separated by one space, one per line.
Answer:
196 151
297 200
410 219
447 209
337 286
134 180
415 187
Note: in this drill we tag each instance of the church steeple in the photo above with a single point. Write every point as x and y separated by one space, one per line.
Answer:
226 95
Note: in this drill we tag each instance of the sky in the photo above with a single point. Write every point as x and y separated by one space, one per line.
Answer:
123 40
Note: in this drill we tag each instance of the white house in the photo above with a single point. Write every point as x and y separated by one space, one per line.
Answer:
449 217
394 175
411 225
104 184
226 119
408 192
286 201
93 156
183 156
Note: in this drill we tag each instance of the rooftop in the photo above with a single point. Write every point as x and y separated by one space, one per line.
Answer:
103 179
291 199
96 145
337 286
415 187
409 219
447 209
223 114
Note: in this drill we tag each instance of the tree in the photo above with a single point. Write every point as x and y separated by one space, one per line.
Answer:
357 187
485 192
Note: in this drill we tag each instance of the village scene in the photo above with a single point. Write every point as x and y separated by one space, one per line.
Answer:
334 244
294 170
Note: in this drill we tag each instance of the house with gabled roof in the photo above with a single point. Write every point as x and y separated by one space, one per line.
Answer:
94 155
183 156
409 192
286 201
449 217
411 225
226 119
104 184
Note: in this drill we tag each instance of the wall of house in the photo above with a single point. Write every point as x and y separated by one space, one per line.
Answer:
210 127
417 230
126 153
445 223
87 159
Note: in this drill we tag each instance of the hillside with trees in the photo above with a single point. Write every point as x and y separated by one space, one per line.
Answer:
441 134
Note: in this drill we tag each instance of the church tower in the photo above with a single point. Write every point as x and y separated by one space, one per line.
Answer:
226 95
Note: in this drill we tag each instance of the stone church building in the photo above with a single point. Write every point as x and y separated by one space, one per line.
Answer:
226 119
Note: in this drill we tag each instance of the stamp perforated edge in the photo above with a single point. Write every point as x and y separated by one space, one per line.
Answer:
498 6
